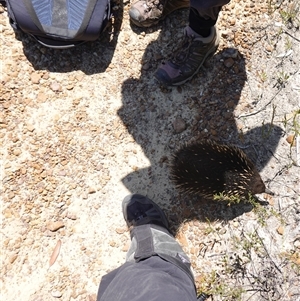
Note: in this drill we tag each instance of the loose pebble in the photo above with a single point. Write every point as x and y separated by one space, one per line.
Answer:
56 294
54 226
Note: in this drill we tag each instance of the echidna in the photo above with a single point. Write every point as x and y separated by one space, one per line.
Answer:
208 169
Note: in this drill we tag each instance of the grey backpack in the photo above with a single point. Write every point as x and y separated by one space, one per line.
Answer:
60 23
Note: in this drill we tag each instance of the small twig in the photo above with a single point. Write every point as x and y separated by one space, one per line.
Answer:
205 247
261 109
250 290
256 112
291 36
221 254
279 172
275 265
266 105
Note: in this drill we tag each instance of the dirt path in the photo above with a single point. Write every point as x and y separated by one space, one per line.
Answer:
82 128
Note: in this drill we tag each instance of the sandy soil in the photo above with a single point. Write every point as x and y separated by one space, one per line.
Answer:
84 127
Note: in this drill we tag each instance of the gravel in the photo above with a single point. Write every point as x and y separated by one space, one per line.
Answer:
82 128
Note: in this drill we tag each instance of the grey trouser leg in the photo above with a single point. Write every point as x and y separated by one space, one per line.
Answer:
152 240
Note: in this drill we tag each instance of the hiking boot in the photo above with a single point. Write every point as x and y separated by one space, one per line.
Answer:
145 13
192 53
139 210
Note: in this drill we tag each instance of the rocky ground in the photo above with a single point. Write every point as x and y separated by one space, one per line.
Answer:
84 127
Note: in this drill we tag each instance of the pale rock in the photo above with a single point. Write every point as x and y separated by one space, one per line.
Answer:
17 152
56 294
280 230
35 78
179 125
54 226
55 87
13 258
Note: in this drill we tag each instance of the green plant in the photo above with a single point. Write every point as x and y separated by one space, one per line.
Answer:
266 129
230 199
212 284
282 78
210 228
291 123
288 44
251 242
293 258
290 13
262 76
296 122
271 7
261 211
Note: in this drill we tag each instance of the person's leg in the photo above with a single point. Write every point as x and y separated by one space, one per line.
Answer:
203 15
156 267
201 39
149 233
151 279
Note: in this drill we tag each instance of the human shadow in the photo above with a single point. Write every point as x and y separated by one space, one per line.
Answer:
90 57
162 119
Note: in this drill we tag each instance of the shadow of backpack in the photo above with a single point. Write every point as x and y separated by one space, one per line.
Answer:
60 23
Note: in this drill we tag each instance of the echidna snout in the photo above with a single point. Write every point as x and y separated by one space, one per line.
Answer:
257 185
207 168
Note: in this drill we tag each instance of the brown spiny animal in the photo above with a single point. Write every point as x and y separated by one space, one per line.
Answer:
208 169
